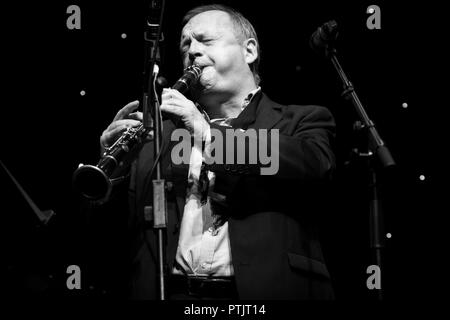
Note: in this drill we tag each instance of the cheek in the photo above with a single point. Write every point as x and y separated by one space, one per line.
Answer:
208 72
208 76
231 62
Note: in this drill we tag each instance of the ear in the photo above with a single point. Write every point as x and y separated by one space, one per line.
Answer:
250 50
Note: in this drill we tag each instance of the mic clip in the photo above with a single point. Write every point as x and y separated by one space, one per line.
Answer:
152 34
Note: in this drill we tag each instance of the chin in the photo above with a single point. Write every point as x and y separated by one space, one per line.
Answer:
205 88
198 91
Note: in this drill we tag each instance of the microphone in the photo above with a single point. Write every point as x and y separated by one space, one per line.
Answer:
153 34
190 77
152 38
324 37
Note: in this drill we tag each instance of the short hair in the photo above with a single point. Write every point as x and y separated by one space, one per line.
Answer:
243 27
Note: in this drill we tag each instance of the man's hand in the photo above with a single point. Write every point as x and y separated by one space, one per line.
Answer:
176 103
123 120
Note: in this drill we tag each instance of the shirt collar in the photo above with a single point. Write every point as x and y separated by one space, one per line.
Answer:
246 102
250 96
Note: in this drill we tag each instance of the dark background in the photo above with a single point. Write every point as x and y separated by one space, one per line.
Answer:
49 128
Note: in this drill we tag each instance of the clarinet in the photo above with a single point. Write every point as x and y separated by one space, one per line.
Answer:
95 182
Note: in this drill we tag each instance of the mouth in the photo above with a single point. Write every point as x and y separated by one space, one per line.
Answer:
201 65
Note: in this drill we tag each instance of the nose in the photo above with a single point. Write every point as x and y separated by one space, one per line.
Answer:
195 50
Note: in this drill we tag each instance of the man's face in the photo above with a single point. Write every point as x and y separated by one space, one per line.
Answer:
209 40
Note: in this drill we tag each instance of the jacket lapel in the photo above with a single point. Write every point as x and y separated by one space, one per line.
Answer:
261 113
268 114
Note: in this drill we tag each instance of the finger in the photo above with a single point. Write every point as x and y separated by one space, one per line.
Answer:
125 111
166 91
172 108
110 136
135 116
166 96
172 94
176 94
124 122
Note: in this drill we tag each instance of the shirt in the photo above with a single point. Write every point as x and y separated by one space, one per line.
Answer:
204 244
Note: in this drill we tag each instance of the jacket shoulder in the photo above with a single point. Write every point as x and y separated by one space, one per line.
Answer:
299 109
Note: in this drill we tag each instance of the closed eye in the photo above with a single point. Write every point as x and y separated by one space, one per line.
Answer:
184 45
207 41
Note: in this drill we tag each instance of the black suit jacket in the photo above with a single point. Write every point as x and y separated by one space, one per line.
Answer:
272 219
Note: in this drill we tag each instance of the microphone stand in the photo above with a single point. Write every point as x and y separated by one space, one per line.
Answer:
150 102
43 215
377 148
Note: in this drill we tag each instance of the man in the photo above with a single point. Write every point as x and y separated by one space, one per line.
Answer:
234 230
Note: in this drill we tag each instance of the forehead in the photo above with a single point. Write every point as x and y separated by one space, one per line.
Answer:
214 20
